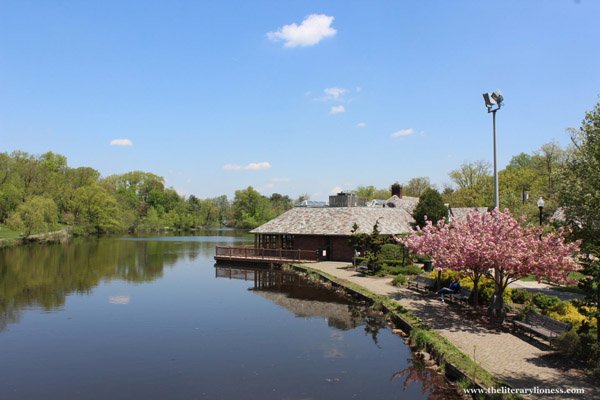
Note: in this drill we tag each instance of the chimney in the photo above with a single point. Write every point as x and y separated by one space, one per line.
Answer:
397 190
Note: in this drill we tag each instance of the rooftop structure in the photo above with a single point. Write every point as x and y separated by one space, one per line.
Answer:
344 199
406 203
311 203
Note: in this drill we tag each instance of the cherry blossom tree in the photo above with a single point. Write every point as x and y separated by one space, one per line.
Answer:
497 245
453 247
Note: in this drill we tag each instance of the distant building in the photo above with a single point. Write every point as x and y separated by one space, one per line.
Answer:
376 203
344 199
407 203
311 203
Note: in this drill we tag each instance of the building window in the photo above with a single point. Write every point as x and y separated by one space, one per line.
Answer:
287 242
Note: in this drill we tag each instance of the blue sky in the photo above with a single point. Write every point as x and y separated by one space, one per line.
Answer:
216 96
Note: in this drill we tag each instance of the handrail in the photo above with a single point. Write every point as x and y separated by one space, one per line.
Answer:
248 252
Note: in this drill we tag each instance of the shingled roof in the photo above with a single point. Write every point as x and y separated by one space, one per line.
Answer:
460 213
407 203
338 221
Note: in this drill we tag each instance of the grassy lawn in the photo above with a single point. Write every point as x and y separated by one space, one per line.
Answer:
572 275
6 233
528 278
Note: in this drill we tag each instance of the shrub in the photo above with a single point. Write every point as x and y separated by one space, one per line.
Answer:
544 301
567 344
411 270
399 280
487 287
520 296
566 312
446 276
390 251
430 206
419 338
589 349
373 261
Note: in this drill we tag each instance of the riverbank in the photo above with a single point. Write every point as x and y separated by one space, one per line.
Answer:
60 236
487 357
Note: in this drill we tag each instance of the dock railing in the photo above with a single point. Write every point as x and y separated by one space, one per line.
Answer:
257 253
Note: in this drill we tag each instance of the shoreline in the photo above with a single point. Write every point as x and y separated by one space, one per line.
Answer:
60 236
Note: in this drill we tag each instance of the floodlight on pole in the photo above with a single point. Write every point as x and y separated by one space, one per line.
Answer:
540 204
493 102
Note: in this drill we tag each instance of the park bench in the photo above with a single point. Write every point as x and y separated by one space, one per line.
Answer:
461 296
541 325
421 282
363 267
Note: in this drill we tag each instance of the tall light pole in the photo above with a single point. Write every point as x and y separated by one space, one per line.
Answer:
540 204
493 102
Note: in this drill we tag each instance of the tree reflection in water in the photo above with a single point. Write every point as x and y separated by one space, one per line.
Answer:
44 275
433 386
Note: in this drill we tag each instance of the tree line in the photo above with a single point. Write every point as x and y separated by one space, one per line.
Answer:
526 178
42 193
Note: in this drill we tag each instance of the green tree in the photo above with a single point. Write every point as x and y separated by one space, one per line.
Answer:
95 210
474 185
430 207
471 175
579 183
250 208
416 186
546 161
521 160
371 192
591 289
224 209
280 203
36 215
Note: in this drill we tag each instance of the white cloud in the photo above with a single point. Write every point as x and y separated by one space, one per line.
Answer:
311 31
334 93
335 190
361 125
337 110
119 299
121 142
259 166
404 132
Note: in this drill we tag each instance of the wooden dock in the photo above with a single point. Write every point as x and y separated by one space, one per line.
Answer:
251 254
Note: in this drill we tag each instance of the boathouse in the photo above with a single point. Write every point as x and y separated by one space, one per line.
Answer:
321 233
327 231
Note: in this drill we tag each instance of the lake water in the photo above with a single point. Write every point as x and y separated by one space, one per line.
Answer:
152 318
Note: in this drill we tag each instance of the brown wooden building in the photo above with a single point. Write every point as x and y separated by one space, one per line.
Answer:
327 231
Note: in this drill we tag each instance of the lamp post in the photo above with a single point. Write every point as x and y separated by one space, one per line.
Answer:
540 204
493 102
524 195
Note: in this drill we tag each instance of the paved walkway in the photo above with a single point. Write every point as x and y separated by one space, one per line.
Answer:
518 362
535 287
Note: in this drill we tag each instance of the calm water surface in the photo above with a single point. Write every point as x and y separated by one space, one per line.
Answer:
152 318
